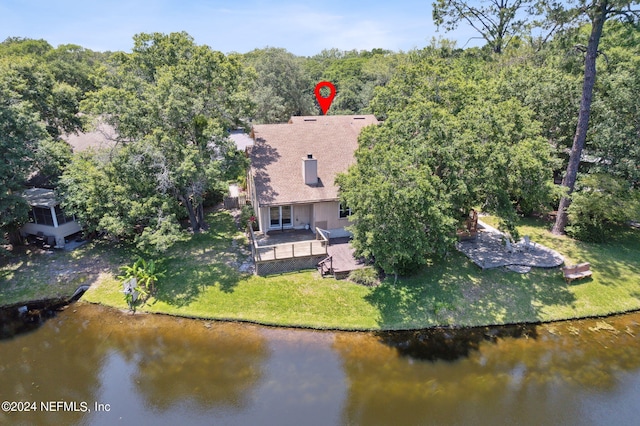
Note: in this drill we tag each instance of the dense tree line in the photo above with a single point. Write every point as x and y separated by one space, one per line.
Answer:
41 88
485 128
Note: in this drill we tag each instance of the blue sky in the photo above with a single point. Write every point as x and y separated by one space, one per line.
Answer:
302 27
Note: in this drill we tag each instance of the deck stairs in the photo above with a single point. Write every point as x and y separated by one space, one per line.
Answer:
325 267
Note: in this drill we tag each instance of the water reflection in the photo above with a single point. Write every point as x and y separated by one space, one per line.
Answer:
88 352
449 344
178 359
164 370
57 361
20 319
529 375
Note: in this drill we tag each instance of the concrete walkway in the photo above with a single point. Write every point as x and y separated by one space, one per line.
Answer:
487 251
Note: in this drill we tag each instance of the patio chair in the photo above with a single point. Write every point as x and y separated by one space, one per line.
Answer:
508 246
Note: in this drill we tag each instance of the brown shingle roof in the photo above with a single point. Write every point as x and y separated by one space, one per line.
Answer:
276 157
104 136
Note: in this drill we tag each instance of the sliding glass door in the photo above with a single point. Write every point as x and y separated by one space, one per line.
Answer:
280 217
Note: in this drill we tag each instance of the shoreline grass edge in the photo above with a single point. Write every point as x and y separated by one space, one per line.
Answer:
452 293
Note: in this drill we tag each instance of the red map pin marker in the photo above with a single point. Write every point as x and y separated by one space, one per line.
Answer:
325 102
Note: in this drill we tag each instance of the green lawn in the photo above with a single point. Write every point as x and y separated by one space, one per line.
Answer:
202 282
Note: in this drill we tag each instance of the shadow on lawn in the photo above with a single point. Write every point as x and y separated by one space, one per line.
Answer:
185 283
30 273
201 263
457 293
616 262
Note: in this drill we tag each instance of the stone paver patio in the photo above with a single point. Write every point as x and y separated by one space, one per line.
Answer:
487 251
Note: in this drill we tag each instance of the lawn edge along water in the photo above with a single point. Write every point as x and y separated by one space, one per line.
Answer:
201 283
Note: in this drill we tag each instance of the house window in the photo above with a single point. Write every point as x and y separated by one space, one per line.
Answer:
345 211
42 216
61 217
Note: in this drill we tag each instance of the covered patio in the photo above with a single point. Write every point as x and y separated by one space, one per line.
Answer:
47 222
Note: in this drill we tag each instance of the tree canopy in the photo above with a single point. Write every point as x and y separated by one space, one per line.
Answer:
282 88
171 103
496 21
448 148
462 127
37 106
597 12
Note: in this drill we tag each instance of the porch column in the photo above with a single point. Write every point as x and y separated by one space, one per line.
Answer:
312 218
53 216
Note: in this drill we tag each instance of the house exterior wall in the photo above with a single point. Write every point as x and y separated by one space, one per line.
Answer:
302 215
59 232
253 197
329 212
324 214
263 218
251 189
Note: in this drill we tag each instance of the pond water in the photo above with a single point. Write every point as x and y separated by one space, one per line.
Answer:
91 365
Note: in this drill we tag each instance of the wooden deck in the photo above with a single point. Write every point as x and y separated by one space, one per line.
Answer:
341 260
287 251
290 244
293 250
284 237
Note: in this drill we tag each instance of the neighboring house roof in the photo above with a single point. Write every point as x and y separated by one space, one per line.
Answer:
241 139
104 136
40 197
279 151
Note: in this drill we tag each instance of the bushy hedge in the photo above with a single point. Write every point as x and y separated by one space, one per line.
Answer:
246 214
599 204
367 276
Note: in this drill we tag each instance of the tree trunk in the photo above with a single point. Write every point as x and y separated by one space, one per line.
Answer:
13 237
580 137
202 226
193 219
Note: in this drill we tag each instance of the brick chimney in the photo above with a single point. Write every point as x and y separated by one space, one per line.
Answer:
310 170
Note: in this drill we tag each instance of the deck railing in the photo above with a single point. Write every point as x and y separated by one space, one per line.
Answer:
322 234
253 242
288 250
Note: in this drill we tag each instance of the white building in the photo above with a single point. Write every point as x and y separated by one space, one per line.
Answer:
46 219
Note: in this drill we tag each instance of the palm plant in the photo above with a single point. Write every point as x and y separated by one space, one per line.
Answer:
145 273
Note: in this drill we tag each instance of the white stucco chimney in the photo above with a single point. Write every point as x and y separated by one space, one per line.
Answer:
310 170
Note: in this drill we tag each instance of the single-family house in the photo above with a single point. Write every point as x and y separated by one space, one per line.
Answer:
293 169
46 220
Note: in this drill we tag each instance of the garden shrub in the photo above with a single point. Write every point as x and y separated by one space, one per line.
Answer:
599 204
367 276
246 214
